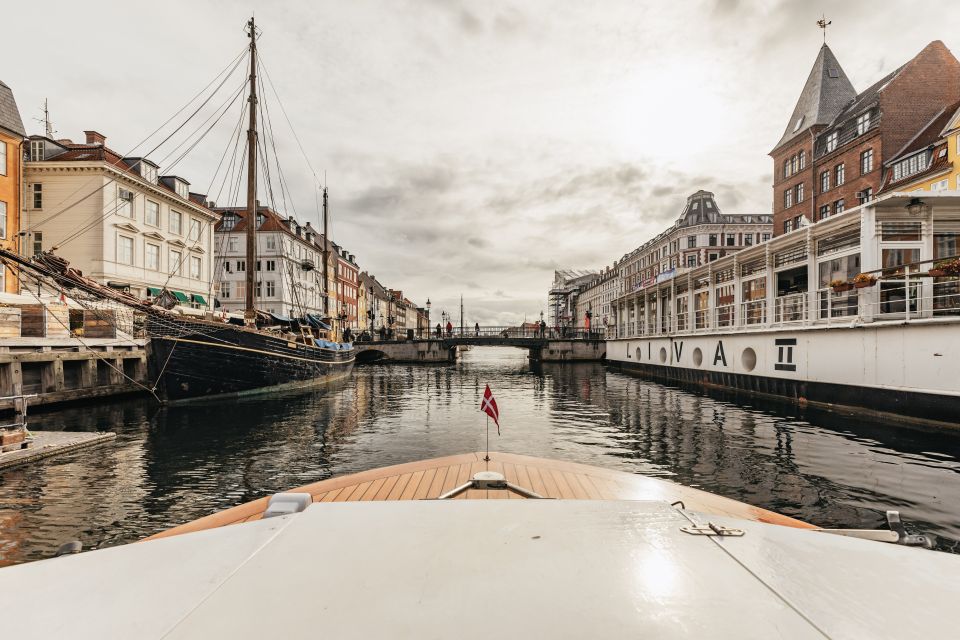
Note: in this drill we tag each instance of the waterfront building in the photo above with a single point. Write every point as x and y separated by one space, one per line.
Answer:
928 162
597 295
12 135
837 142
701 235
348 280
363 318
563 294
288 281
378 302
117 220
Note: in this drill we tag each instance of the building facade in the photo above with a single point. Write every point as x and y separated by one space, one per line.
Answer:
832 154
348 281
288 282
12 136
701 235
117 220
929 162
563 294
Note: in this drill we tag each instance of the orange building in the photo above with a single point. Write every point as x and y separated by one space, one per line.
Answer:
12 136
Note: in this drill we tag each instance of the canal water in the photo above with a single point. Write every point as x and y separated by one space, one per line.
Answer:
172 465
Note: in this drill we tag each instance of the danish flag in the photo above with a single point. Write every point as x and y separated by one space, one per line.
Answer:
489 407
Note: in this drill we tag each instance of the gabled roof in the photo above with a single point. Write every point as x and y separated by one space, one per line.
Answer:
825 93
867 97
929 135
9 113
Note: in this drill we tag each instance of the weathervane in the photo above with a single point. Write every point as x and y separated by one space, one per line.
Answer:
823 23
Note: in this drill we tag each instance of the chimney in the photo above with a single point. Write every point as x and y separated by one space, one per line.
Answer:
95 138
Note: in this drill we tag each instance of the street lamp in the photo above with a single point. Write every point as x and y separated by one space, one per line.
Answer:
428 318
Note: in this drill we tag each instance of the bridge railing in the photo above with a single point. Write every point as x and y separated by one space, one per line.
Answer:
503 332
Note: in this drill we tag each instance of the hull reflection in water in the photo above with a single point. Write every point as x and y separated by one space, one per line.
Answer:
175 464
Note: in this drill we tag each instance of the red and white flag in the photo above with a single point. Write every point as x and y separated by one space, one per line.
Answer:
489 406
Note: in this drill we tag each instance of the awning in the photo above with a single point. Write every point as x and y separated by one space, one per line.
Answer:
198 298
315 321
181 296
153 291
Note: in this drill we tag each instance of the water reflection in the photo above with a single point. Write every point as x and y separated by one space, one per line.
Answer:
172 465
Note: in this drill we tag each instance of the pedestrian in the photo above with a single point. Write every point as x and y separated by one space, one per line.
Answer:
476 328
439 331
347 334
449 329
543 329
383 333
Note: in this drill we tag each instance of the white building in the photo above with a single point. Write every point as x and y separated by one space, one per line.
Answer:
289 263
116 220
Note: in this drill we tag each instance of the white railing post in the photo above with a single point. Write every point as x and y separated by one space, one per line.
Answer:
907 292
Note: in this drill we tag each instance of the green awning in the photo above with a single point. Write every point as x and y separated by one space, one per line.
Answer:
153 291
179 295
198 299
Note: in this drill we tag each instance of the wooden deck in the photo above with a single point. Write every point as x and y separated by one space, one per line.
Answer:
428 479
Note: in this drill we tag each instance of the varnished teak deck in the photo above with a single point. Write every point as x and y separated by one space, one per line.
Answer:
428 479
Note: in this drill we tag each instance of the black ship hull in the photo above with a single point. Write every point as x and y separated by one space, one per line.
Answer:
206 359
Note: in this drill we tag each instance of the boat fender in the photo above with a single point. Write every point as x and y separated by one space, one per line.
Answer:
284 504
69 548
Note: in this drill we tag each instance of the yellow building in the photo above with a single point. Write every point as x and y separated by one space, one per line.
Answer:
12 136
931 160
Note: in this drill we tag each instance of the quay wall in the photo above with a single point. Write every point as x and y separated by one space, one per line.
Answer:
60 370
899 371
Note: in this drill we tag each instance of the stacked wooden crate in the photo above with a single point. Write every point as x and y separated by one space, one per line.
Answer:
33 321
9 322
58 321
99 324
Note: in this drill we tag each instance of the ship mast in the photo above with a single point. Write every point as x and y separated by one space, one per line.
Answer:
250 312
326 240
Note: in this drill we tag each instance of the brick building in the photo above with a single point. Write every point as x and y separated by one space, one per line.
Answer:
832 153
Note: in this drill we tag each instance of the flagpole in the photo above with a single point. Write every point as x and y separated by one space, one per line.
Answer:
487 457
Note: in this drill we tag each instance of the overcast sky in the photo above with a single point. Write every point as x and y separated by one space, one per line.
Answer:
474 147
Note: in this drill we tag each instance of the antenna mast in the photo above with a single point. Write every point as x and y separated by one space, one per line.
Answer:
250 313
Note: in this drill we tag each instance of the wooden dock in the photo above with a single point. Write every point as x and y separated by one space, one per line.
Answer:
428 479
51 443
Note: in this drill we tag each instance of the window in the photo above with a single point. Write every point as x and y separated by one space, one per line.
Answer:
863 123
786 168
799 193
712 256
3 158
866 162
796 222
766 237
824 182
196 267
793 164
788 198
124 202
3 219
195 229
151 257
713 239
692 260
731 239
271 243
832 141
257 291
866 195
940 185
748 239
176 222
787 226
914 164
258 265
803 159
176 262
37 242
229 221
271 288
691 242
182 189
124 250
259 220
838 174
227 266
148 172
225 289
151 214
271 265
36 150
824 211
241 266
232 244
37 196
838 206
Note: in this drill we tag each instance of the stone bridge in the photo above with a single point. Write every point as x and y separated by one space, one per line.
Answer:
550 346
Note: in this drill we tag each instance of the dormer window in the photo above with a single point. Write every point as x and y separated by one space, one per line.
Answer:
259 220
832 141
36 150
229 221
148 172
863 123
796 127
182 189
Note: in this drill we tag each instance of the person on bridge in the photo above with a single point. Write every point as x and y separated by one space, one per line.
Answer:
449 329
439 331
543 329
476 328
